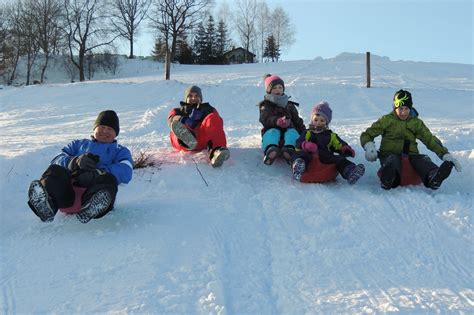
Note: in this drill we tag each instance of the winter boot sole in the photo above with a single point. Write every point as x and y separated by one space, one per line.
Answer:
98 204
219 157
299 166
184 134
357 172
443 172
271 154
38 202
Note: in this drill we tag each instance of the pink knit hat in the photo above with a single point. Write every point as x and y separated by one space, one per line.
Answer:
272 80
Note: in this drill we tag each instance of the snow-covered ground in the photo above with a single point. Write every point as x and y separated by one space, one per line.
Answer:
251 241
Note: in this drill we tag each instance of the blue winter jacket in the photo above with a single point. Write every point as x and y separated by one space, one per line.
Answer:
114 158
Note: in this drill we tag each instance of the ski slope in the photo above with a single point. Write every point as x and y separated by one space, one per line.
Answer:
245 238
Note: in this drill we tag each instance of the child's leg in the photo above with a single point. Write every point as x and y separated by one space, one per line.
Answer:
422 165
270 137
99 198
52 191
210 133
290 137
430 173
390 171
57 182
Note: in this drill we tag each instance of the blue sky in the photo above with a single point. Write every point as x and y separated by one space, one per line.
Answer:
419 30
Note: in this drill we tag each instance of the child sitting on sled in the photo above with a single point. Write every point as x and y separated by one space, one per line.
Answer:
399 130
98 164
281 121
195 126
319 139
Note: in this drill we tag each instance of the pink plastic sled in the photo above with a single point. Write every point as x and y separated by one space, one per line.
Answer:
76 206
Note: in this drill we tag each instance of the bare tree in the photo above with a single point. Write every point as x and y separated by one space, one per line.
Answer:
85 29
245 22
282 29
172 19
46 17
263 26
127 16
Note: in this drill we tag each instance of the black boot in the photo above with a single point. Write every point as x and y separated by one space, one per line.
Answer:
98 205
437 176
40 202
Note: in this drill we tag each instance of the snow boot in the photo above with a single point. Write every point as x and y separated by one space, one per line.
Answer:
97 205
271 154
298 167
183 134
40 203
352 173
437 176
288 152
218 156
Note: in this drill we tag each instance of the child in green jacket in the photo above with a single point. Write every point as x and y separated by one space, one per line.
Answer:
399 130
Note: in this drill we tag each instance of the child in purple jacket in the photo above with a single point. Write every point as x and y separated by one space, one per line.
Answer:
319 139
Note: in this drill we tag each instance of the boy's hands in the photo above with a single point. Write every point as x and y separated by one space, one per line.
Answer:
192 120
448 157
370 151
86 161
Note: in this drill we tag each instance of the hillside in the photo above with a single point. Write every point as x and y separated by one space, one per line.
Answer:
251 241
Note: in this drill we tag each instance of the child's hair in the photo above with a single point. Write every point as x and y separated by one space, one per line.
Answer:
270 81
322 109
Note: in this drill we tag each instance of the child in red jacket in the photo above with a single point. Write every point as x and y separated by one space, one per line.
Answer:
196 126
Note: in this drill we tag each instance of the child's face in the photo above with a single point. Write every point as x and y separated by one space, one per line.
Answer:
277 90
193 98
104 134
318 122
403 112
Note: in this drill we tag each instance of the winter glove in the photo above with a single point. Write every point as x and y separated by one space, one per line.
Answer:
87 161
370 151
346 150
86 178
448 157
309 146
192 120
283 122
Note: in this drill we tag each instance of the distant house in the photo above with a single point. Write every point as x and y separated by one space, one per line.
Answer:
238 55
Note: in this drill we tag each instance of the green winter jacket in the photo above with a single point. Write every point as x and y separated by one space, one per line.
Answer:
394 132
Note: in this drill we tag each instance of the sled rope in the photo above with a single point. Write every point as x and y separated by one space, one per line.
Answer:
199 171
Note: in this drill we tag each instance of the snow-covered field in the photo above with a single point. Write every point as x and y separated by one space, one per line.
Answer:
251 241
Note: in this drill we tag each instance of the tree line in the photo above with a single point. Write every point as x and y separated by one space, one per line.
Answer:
86 31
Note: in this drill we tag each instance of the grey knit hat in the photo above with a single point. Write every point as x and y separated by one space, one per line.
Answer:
108 118
194 89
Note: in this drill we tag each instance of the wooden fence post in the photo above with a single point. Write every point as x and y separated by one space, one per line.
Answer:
367 63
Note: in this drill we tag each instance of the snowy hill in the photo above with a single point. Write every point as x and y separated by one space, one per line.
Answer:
251 241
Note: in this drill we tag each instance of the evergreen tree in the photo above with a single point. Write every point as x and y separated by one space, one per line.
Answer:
199 47
222 42
184 53
272 51
159 51
211 42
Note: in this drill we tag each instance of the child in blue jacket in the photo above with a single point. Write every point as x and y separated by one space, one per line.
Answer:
99 164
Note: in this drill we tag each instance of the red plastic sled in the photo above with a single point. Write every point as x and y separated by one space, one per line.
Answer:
408 174
76 207
317 172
